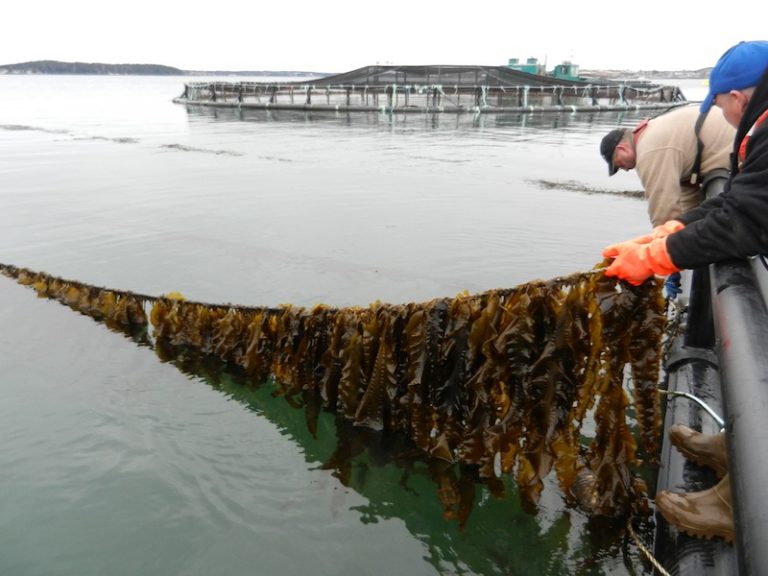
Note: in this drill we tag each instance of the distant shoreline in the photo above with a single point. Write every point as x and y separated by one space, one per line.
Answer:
53 67
648 74
88 68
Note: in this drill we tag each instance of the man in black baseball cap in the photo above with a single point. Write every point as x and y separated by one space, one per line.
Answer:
665 153
608 146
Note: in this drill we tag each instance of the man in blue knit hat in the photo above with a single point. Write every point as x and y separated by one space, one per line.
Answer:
730 226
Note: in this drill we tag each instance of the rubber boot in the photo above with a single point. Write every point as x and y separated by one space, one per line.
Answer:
704 449
705 514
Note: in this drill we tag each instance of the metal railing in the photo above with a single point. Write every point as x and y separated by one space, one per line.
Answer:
430 97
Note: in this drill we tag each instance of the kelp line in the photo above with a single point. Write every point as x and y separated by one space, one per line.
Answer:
501 381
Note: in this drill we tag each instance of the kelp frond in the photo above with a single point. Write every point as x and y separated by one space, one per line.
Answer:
501 380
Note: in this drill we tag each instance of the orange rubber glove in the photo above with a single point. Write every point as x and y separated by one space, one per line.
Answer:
669 227
637 262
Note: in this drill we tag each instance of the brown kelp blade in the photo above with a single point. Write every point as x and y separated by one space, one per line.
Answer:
501 380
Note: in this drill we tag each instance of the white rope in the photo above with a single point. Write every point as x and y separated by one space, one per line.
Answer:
646 552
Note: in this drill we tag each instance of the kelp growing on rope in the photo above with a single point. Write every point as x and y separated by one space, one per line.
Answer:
502 381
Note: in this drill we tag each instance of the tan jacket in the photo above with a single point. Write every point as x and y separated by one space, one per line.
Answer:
665 152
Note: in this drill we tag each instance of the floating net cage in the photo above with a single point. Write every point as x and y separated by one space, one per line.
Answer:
502 381
434 89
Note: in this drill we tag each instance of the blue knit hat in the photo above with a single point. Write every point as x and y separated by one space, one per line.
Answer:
740 67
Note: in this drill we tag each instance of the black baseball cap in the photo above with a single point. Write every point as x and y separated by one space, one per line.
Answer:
607 147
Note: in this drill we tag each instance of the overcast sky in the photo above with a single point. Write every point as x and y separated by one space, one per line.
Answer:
338 35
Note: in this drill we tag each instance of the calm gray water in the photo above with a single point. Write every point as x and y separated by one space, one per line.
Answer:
118 461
